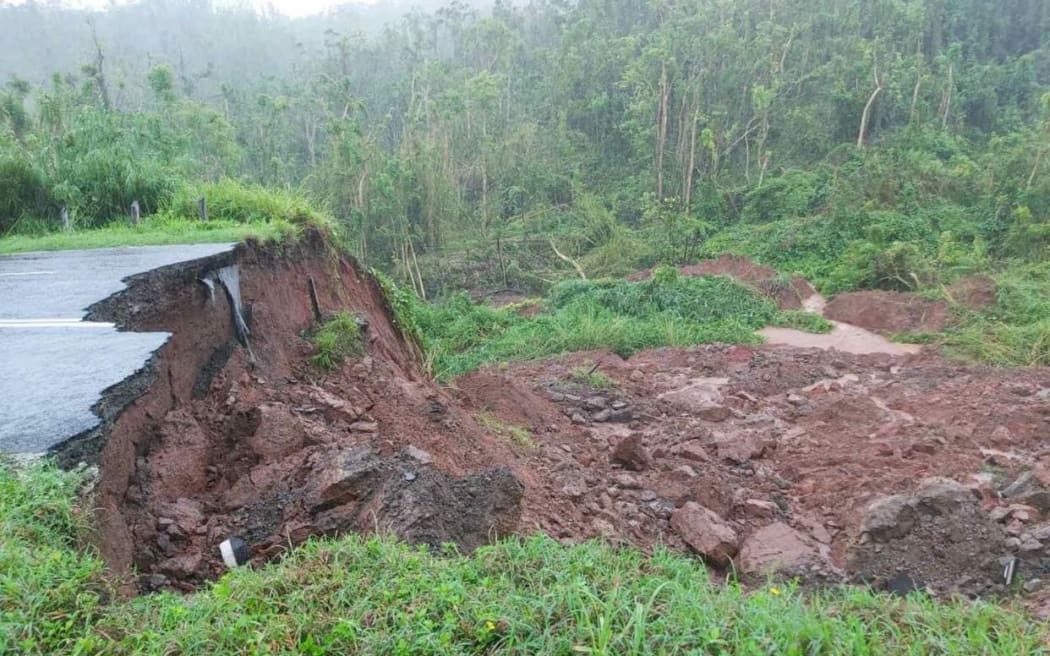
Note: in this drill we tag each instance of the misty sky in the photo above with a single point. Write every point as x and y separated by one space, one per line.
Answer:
289 7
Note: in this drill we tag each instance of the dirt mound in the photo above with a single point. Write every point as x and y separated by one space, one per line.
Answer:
788 293
888 312
937 538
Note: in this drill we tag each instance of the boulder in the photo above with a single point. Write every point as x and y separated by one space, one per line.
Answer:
777 549
706 533
630 453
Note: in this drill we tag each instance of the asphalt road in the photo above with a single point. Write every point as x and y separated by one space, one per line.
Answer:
54 366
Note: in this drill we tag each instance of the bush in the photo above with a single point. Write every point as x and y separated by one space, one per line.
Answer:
23 193
229 200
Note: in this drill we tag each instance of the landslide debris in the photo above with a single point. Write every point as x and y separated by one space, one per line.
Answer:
759 459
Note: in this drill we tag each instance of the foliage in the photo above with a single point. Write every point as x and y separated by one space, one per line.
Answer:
51 588
581 315
336 340
801 320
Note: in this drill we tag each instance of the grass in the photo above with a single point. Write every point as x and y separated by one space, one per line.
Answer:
802 320
592 378
236 212
358 595
621 316
516 434
335 341
153 231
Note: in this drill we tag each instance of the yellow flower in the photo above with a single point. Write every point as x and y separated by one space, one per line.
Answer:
774 591
490 625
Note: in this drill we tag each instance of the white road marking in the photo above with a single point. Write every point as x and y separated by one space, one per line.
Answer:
53 323
28 273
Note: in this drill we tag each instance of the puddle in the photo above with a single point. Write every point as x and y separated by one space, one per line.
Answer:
843 337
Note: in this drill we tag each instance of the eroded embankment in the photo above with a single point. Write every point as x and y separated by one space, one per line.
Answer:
213 440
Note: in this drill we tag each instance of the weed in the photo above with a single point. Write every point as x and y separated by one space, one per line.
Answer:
802 320
338 339
592 378
516 434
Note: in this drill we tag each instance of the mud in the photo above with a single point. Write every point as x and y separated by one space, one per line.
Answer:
888 313
755 458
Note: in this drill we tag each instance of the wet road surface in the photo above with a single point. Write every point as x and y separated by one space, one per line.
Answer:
54 366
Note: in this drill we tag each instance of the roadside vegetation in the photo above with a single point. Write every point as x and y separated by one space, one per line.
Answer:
459 335
522 596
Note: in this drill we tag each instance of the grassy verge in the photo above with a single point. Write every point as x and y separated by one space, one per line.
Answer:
374 596
236 212
153 231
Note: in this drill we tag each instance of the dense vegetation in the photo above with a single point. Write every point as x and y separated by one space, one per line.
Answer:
896 144
373 596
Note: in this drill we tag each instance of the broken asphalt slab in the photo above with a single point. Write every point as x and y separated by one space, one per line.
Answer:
55 365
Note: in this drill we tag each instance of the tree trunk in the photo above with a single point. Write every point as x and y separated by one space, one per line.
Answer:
946 104
692 163
661 131
867 108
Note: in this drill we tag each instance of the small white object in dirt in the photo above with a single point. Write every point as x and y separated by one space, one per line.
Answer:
1009 571
234 552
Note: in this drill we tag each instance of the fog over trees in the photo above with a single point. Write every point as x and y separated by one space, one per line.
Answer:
905 138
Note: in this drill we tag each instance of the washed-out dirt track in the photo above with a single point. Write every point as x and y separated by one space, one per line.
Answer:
755 457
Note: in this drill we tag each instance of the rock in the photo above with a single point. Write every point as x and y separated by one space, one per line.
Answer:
621 416
626 481
647 496
578 418
943 495
706 533
713 412
693 450
740 448
1040 532
1020 485
795 399
596 403
419 455
1041 471
698 395
356 490
601 416
637 375
999 514
1033 585
603 528
777 549
334 407
619 405
364 427
1001 437
889 518
1038 499
631 454
760 509
183 566
575 490
279 432
186 514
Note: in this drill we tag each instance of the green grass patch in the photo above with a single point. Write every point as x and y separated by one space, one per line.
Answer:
335 341
591 378
153 231
51 590
621 316
517 434
359 595
802 320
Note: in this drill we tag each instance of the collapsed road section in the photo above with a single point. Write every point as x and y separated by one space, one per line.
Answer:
55 364
230 435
